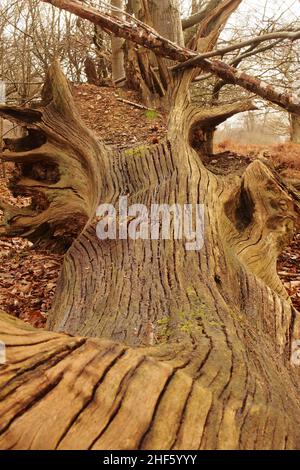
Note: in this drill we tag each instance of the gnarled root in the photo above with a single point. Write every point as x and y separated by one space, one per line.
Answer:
56 166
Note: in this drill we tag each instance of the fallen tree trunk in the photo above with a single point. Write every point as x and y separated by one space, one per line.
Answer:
207 335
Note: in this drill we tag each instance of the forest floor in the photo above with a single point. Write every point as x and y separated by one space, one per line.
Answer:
28 276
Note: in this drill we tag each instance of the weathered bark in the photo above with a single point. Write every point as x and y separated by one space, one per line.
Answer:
91 71
165 15
103 57
117 49
151 74
146 72
57 161
295 128
208 333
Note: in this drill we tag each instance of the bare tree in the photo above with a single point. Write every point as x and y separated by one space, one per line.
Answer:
35 35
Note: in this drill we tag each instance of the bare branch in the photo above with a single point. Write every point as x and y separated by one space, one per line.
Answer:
196 61
139 33
218 114
237 60
254 85
255 51
200 16
147 37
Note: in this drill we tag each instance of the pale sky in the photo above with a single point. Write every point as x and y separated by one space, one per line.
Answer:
253 12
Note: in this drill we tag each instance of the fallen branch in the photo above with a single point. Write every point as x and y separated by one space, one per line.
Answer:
136 105
237 60
270 93
198 17
196 61
139 33
147 37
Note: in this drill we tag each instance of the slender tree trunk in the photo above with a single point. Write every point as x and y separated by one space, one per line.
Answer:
117 46
91 71
295 128
103 59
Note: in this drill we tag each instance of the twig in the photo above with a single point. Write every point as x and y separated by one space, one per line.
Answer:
193 62
146 37
137 105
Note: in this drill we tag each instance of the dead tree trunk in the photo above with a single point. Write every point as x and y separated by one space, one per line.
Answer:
146 72
207 334
117 49
295 129
90 71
